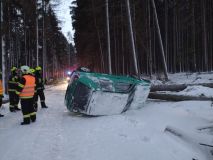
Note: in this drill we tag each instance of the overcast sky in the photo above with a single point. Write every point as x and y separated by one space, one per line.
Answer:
63 13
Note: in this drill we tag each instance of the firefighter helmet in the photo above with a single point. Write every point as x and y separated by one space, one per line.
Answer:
25 69
38 68
32 71
13 69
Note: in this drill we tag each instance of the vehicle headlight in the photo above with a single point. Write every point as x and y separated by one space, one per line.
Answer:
68 78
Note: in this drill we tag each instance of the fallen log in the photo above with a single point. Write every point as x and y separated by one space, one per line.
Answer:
206 127
177 87
202 144
187 137
175 97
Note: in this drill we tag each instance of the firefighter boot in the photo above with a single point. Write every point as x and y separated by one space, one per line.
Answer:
12 109
16 108
35 107
26 121
43 105
33 117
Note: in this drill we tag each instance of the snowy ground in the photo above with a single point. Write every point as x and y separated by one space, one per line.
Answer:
188 78
134 135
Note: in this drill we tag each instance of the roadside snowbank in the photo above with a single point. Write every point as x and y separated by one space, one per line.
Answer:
187 78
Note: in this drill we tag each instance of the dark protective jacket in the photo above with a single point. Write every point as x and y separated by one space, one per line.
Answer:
13 83
1 88
39 82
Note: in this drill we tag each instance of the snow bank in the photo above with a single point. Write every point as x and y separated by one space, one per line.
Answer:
187 78
197 91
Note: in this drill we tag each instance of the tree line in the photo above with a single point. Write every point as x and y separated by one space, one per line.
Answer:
185 30
30 35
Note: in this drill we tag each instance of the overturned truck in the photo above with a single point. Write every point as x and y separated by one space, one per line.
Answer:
104 94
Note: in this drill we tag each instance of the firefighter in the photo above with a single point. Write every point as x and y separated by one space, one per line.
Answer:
39 88
32 72
12 85
26 90
1 93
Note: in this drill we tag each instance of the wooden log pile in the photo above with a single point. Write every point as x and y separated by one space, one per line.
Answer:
155 94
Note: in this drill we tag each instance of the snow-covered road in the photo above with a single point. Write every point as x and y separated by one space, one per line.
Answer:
135 135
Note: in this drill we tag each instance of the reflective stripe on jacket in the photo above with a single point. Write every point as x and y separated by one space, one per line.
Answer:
29 87
1 88
13 83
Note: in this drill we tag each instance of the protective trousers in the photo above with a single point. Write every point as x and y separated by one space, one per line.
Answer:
28 110
39 93
14 100
0 106
0 101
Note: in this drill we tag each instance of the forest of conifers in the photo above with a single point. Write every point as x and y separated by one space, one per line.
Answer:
31 36
186 28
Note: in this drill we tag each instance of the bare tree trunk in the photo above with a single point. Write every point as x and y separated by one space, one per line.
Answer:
174 40
108 38
177 87
194 36
122 43
98 35
166 30
17 55
29 48
182 51
150 40
2 50
132 38
204 35
160 40
210 39
1 21
37 45
114 39
25 39
153 48
173 97
44 38
178 40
